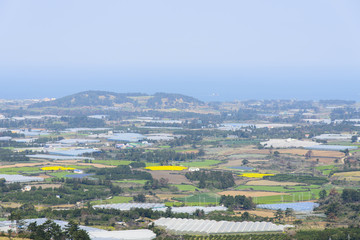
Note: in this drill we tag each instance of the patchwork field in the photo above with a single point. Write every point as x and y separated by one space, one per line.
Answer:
200 198
271 183
238 162
251 193
116 199
185 187
112 162
205 163
259 212
315 153
174 178
350 176
278 188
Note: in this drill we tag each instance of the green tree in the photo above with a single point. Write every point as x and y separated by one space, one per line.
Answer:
279 215
322 194
289 212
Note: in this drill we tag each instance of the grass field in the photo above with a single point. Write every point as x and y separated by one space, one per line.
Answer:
277 188
200 198
18 170
326 169
176 204
133 181
186 187
112 162
349 176
116 199
205 163
164 146
311 194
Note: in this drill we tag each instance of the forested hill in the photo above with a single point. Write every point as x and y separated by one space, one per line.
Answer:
112 99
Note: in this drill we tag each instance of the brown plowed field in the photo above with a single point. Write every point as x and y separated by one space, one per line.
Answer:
174 178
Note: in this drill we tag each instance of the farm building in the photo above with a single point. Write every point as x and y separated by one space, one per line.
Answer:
192 226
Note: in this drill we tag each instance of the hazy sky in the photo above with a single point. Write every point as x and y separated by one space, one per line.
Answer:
231 49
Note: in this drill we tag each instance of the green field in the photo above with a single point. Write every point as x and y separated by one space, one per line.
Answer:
201 198
327 169
293 196
205 163
148 164
278 188
112 162
133 181
164 146
185 187
177 204
116 199
19 170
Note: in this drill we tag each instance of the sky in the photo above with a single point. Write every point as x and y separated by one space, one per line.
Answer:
213 50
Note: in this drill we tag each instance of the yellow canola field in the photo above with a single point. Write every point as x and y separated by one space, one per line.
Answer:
255 175
166 168
57 168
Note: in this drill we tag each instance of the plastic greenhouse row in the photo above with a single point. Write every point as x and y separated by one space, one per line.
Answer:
192 226
297 207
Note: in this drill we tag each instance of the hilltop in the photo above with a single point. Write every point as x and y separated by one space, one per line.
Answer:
112 99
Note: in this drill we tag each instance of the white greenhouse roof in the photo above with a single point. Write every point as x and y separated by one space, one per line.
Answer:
334 137
297 207
140 234
192 226
128 206
94 233
78 141
332 147
159 207
20 178
57 157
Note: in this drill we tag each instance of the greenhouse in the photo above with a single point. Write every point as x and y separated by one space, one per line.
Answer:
57 157
94 233
331 147
20 178
195 226
128 206
74 152
127 137
297 207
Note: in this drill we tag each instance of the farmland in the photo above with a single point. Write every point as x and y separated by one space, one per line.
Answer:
201 165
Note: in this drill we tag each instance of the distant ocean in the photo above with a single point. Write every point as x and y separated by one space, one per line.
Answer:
206 86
